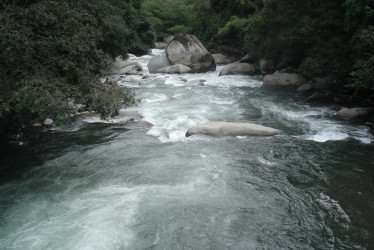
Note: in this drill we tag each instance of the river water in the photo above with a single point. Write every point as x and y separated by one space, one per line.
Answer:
105 185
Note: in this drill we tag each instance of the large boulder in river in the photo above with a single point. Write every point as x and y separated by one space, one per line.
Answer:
232 129
354 113
158 62
121 67
284 79
238 69
189 51
175 69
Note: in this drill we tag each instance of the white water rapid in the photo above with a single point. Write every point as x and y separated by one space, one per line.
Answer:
104 186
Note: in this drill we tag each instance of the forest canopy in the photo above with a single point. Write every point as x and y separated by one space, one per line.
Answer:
319 37
52 51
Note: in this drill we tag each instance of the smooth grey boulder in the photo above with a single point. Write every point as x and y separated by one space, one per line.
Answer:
175 69
158 62
305 88
48 122
354 113
238 69
232 129
222 59
284 79
121 67
189 51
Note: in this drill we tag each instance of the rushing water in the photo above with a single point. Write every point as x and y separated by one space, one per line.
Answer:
110 186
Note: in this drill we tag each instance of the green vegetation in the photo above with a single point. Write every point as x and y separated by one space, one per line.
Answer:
320 38
52 51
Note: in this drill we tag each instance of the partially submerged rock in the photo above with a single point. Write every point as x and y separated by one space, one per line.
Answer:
238 69
354 113
284 79
232 129
121 67
175 69
189 51
158 62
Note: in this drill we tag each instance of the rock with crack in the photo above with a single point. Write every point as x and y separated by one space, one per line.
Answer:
218 129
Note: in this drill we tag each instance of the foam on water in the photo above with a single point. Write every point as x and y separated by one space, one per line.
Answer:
155 188
174 103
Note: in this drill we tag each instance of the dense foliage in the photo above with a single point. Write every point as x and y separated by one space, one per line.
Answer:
51 53
319 37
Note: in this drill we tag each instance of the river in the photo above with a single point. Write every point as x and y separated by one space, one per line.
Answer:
104 185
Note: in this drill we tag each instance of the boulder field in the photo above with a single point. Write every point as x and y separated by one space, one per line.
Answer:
121 67
185 50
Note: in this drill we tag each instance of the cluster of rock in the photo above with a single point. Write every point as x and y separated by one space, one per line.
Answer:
184 54
122 67
42 126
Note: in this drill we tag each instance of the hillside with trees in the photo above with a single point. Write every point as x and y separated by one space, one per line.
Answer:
317 38
52 51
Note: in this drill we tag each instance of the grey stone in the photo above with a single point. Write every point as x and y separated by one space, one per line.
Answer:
284 79
175 69
160 45
354 113
238 69
158 62
221 59
232 129
189 51
120 67
132 72
48 122
168 39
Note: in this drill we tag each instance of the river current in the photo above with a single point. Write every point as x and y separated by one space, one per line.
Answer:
104 185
